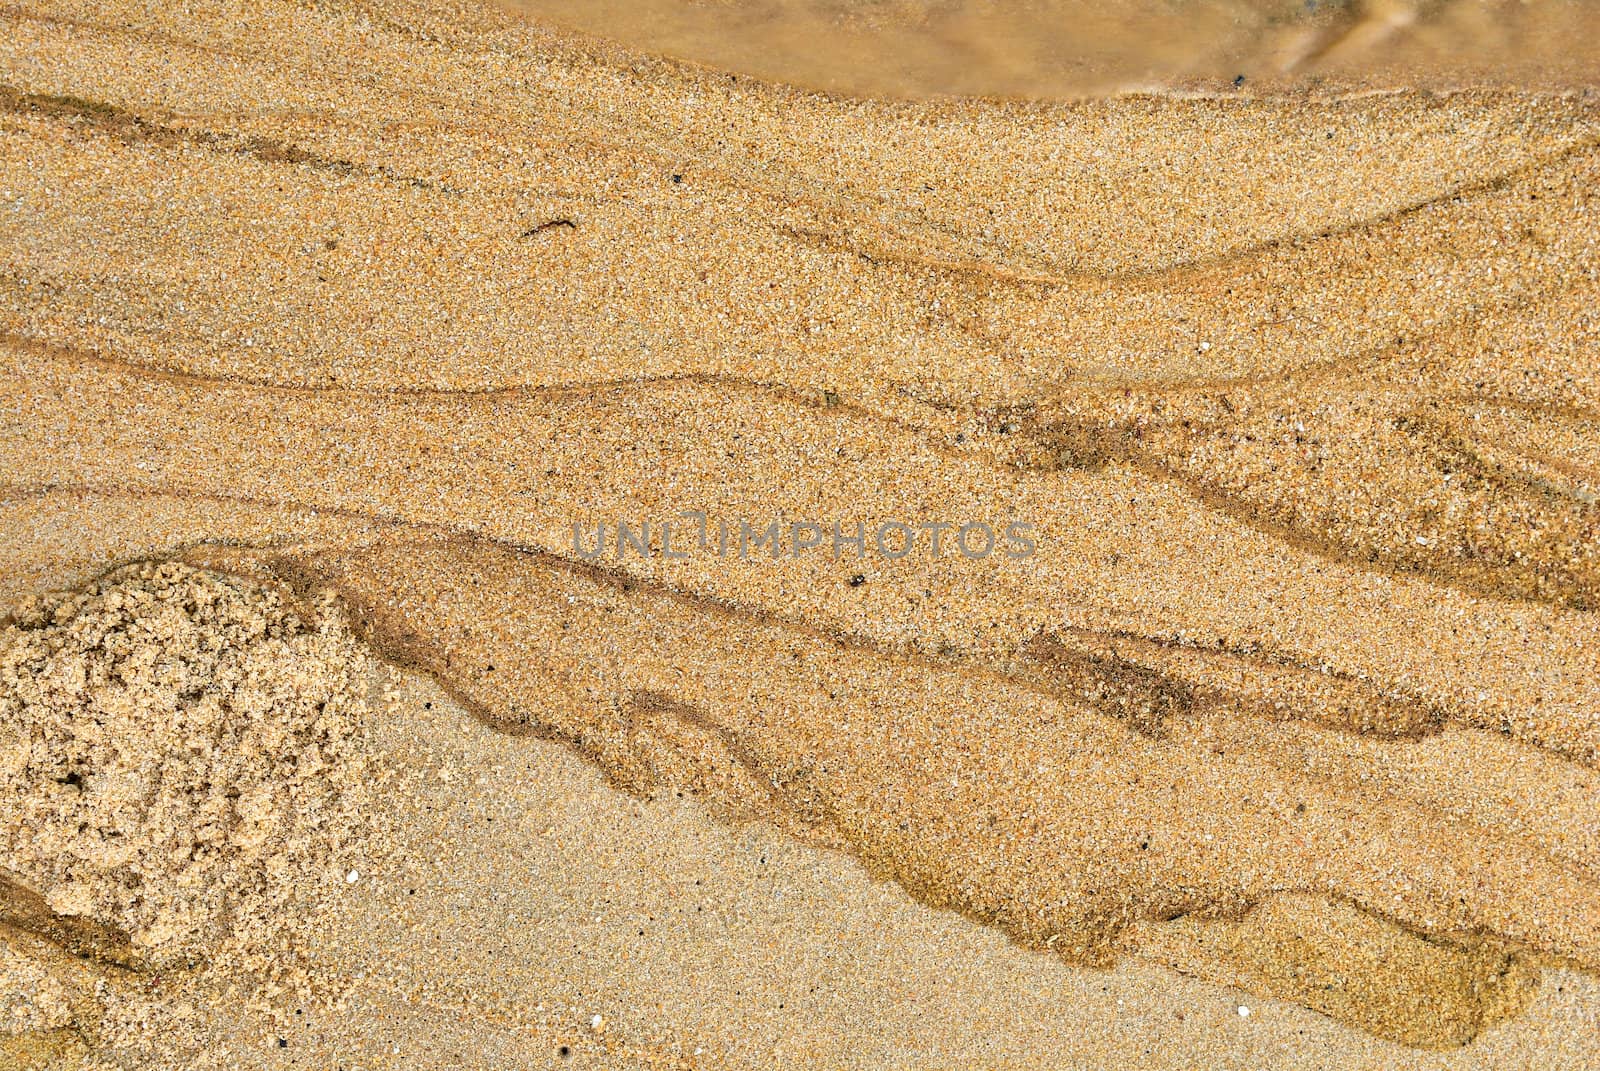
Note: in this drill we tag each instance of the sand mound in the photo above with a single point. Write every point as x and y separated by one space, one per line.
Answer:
178 752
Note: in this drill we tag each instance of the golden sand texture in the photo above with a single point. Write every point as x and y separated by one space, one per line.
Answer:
1013 804
1297 694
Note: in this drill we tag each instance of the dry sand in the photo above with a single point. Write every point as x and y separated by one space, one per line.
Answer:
1279 750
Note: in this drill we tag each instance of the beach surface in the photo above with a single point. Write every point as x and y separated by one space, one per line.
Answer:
519 551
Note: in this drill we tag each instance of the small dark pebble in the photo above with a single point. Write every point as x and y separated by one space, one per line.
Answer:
857 580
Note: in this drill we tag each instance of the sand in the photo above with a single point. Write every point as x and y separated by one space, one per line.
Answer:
1113 581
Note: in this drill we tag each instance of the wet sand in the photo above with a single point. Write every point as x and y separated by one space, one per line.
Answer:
1278 747
1070 49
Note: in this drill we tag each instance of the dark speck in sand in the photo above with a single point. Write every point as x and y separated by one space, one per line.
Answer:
549 224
